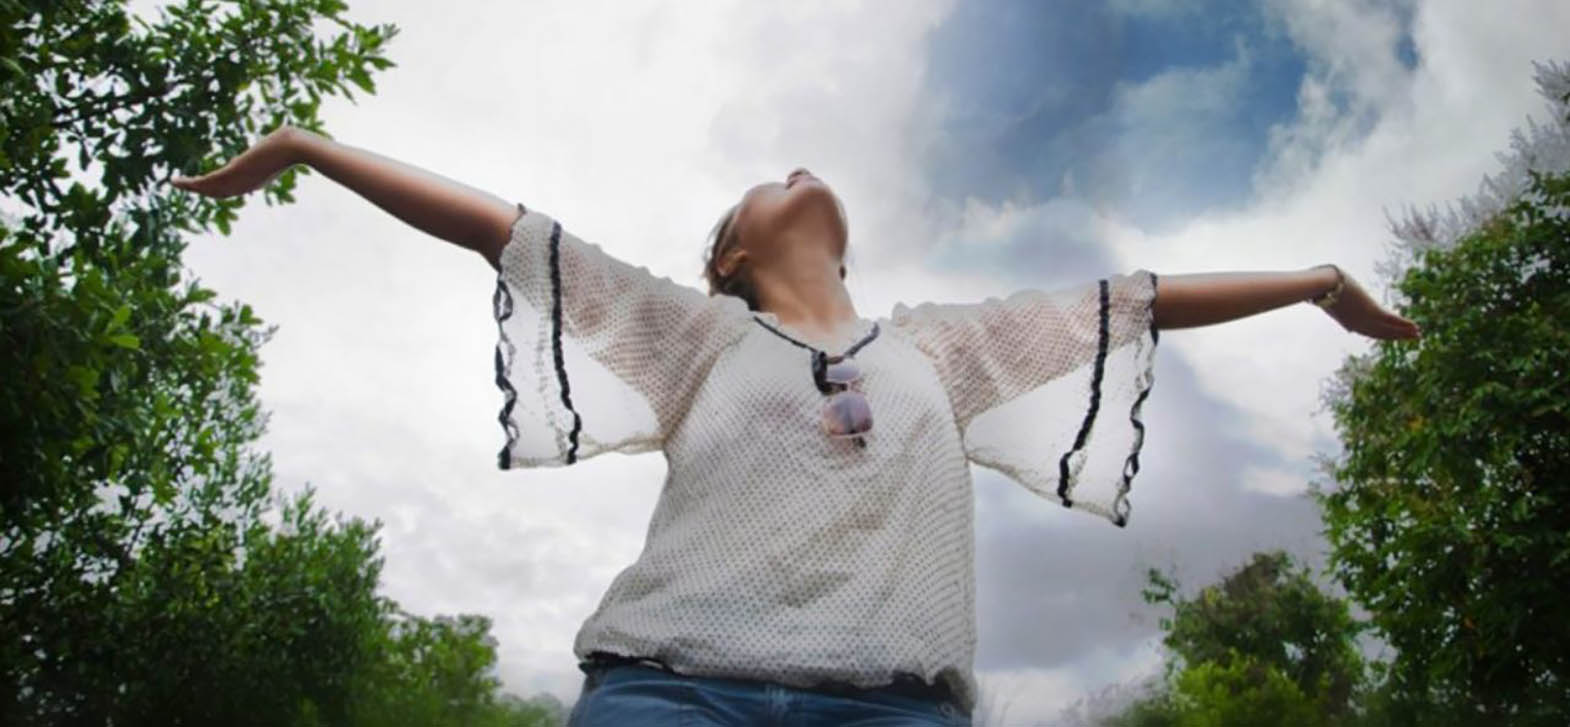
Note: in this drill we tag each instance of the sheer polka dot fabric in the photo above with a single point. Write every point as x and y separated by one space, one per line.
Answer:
776 552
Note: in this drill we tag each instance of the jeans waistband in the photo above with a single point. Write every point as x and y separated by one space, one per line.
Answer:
904 685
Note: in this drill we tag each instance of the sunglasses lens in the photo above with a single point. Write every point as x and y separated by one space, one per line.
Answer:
846 414
844 372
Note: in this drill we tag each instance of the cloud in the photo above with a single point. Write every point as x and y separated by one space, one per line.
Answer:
1395 105
1279 482
1055 588
1028 245
1169 132
1425 143
1034 695
1356 73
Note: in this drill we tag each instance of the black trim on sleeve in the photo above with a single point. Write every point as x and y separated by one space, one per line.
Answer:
501 307
501 303
1120 506
1095 398
561 368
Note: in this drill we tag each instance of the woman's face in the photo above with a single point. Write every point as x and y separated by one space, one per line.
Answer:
769 210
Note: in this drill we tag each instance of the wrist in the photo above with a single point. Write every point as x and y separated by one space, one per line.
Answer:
1331 282
301 146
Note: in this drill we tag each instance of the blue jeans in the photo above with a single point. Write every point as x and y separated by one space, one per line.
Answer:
630 695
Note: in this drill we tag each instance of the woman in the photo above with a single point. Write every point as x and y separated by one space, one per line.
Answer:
800 561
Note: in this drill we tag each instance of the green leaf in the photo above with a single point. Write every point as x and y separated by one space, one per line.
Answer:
121 315
126 340
84 377
362 79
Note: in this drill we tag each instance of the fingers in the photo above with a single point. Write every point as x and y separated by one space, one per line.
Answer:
190 184
1400 332
1393 329
1403 327
1371 319
1379 323
211 184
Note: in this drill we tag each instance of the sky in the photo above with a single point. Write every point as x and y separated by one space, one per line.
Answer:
979 148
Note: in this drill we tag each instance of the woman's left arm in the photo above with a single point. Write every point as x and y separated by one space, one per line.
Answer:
1202 299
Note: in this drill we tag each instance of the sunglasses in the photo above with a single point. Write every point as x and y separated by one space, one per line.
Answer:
846 414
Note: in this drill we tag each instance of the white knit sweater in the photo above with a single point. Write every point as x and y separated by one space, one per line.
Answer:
778 553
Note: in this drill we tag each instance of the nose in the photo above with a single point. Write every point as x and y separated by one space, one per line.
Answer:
795 172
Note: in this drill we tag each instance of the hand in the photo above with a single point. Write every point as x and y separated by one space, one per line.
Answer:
253 169
1357 312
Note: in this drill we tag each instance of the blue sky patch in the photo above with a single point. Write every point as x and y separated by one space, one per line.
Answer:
1159 115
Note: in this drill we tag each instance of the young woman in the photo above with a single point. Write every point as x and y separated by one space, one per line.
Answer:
800 561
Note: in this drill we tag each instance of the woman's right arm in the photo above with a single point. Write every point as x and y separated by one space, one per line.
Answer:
442 207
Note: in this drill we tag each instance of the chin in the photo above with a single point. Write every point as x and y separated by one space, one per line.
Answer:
812 189
813 197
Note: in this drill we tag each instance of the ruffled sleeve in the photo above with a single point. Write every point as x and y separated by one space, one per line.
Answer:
1046 386
593 354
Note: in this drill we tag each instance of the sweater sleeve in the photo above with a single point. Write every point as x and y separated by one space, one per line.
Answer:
593 354
1046 385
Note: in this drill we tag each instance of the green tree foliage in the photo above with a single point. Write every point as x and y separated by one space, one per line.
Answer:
1451 519
1270 613
1242 691
147 574
439 672
138 579
1265 646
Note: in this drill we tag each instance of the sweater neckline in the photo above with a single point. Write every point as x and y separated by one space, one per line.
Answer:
847 336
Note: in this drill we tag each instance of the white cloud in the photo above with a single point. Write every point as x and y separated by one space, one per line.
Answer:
1168 123
1275 481
1428 143
1041 696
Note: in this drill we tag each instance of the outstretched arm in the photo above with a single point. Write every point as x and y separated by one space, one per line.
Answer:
1201 299
442 207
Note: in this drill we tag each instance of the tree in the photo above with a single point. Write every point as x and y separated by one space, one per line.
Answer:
1270 614
139 580
1263 646
1451 521
147 573
1242 691
1450 518
439 672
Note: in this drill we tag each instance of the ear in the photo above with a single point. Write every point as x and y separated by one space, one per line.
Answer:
732 259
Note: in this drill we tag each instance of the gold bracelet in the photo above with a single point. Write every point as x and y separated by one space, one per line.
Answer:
1329 297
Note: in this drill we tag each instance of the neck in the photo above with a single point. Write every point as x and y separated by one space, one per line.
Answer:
805 292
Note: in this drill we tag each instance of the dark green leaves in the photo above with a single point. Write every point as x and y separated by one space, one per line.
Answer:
140 580
1452 510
